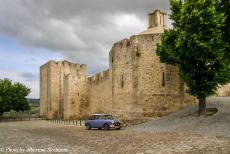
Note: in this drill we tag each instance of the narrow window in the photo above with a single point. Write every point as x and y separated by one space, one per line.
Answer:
138 54
160 20
112 60
163 79
122 81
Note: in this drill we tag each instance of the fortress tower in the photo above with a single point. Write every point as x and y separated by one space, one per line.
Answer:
157 19
60 86
141 84
157 22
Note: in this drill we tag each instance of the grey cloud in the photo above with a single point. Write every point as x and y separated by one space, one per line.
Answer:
29 76
81 30
30 60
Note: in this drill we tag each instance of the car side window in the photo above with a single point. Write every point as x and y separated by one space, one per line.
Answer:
97 117
102 117
91 118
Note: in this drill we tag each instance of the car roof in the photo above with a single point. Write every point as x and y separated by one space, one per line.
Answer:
100 114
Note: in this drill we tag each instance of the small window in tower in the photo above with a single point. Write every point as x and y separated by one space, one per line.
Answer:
160 20
128 44
163 79
138 54
112 60
122 81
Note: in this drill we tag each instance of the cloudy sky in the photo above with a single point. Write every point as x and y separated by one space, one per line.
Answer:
81 31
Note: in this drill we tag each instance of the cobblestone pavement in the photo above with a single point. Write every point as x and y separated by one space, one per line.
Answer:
75 139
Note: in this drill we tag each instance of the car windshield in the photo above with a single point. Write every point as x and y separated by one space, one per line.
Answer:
108 117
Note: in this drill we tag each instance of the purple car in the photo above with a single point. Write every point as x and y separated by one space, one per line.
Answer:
105 121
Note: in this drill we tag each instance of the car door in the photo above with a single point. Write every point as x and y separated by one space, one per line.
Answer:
97 121
92 121
101 121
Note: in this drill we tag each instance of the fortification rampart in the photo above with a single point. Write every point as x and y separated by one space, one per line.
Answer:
135 85
100 92
121 71
140 83
75 96
98 78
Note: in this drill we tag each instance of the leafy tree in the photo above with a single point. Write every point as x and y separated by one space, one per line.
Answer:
224 7
196 46
12 96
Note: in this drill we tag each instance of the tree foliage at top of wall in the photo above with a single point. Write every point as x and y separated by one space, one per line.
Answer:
13 96
199 45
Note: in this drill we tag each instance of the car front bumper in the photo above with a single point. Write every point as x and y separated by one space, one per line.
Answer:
113 126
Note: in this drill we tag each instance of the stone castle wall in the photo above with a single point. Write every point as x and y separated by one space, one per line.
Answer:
224 90
121 72
75 97
50 97
52 81
44 92
136 83
143 86
100 93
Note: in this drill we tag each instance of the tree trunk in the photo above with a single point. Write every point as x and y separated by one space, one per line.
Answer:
1 116
202 106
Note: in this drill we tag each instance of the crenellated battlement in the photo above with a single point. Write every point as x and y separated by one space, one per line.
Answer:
98 78
123 43
75 65
65 63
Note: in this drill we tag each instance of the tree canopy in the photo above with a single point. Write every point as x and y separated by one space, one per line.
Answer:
13 96
224 7
197 45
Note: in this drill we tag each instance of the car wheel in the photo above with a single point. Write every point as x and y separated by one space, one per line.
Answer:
118 128
106 127
99 128
88 127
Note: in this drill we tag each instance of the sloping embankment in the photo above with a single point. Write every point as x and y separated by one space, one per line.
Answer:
184 120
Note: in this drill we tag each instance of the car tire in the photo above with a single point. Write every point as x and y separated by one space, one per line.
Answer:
88 127
106 127
118 128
